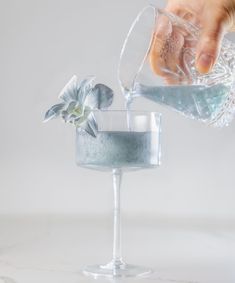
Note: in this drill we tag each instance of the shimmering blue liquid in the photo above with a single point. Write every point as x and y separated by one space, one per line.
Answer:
109 150
197 102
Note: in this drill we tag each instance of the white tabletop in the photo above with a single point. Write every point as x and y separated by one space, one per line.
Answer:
51 249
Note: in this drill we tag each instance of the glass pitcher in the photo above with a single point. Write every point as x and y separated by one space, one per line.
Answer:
209 98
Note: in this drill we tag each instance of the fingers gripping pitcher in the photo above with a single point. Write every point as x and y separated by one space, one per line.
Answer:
158 62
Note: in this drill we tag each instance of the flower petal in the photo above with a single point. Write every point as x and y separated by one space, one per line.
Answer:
100 97
65 116
90 125
87 127
84 88
54 112
69 92
92 121
80 119
71 106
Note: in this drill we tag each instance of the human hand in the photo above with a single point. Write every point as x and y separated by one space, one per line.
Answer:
214 17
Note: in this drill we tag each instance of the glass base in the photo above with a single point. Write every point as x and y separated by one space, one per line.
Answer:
112 270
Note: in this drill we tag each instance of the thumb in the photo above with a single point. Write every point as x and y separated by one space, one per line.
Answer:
209 43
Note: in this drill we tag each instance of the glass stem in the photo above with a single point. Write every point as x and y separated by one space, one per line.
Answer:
117 257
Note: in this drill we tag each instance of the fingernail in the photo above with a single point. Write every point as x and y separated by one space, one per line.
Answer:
205 63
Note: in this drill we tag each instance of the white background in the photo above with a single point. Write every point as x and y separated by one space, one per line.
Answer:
43 43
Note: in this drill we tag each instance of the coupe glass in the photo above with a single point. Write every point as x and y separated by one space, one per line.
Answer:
119 146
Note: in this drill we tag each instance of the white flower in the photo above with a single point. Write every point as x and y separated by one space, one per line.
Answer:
79 99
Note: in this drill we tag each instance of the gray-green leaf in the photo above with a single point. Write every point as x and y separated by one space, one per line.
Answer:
100 97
